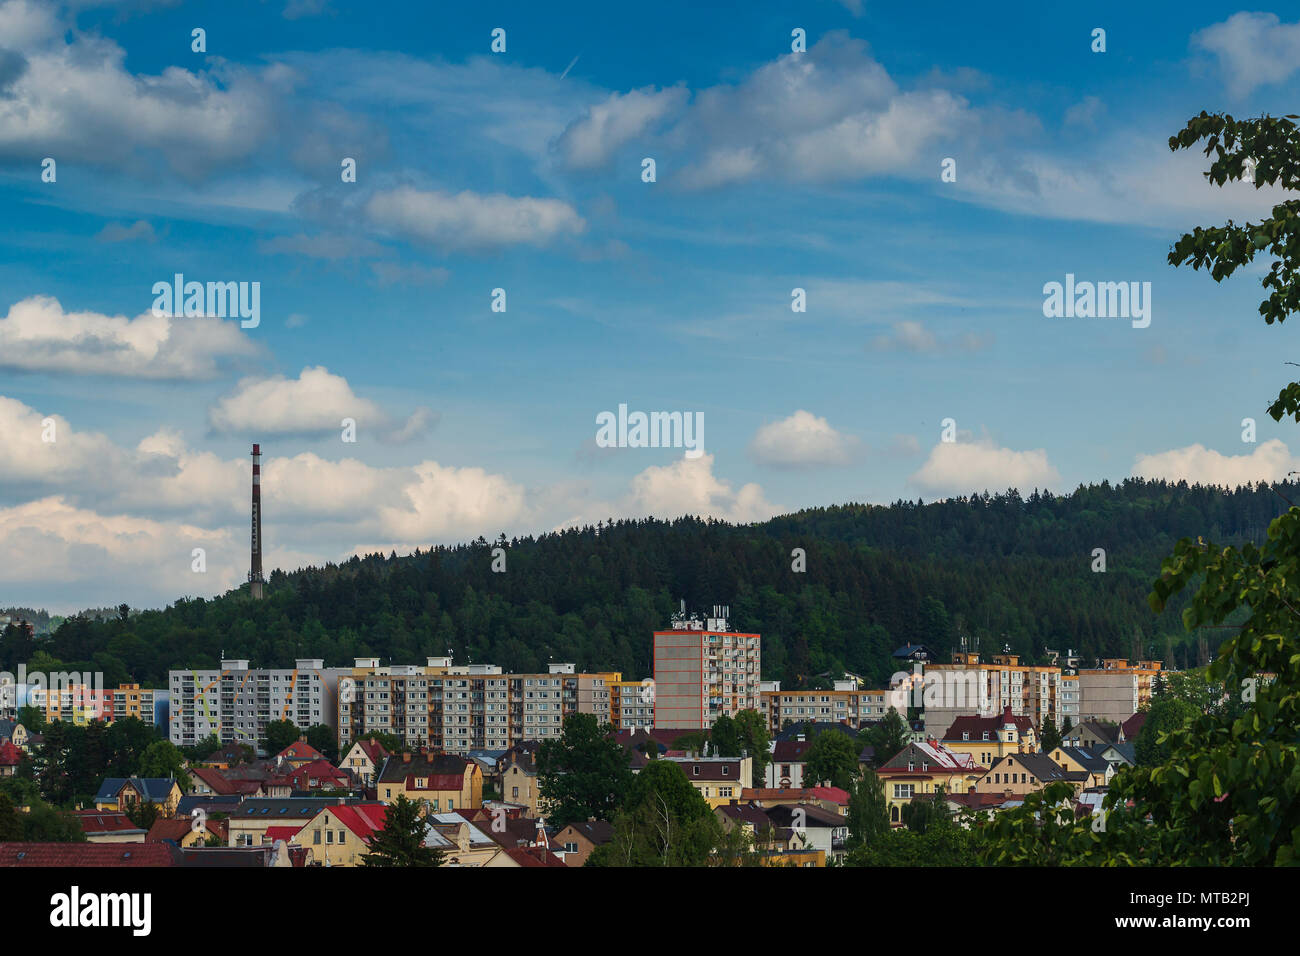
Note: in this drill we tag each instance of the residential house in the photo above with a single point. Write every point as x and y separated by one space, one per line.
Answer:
363 760
1091 734
298 753
119 793
319 775
443 782
719 779
518 769
1021 774
579 839
253 820
1119 755
13 732
814 828
188 831
108 826
468 845
340 835
785 768
65 855
1077 759
988 738
925 768
10 757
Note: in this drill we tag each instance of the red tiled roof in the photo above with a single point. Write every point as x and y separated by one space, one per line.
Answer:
10 755
975 725
374 750
533 856
363 819
281 833
321 770
300 750
87 854
1133 726
103 821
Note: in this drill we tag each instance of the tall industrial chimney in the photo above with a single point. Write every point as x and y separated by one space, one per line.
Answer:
255 579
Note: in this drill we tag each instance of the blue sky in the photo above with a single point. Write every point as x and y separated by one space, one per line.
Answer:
522 170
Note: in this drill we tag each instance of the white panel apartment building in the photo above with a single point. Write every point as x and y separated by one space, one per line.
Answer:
236 702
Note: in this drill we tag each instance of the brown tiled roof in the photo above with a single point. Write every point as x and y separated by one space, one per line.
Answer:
104 821
87 854
533 856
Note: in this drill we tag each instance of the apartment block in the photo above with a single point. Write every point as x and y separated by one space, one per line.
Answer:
702 671
966 686
1116 690
236 702
631 702
846 704
458 708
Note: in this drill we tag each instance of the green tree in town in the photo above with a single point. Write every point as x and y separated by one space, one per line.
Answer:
144 813
832 758
1049 738
280 734
868 813
401 841
724 738
664 822
583 774
755 740
322 738
888 736
162 758
1164 715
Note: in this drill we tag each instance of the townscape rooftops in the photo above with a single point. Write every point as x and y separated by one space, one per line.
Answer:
105 821
975 726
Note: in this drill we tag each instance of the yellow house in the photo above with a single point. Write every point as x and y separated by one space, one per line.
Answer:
519 779
924 768
1019 774
120 793
442 782
720 780
988 738
340 836
1076 759
363 760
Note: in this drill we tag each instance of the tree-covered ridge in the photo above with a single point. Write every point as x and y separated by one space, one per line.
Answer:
1002 568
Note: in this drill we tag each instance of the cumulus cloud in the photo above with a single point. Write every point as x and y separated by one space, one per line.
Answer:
74 98
803 440
689 487
314 403
590 141
1268 462
829 114
39 336
74 506
961 468
1253 49
467 219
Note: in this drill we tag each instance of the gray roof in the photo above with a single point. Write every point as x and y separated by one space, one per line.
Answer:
1127 751
285 807
1092 762
154 789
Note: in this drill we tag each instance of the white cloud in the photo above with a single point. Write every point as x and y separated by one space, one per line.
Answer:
689 487
39 336
1253 49
314 403
468 220
803 440
1269 461
961 468
590 141
74 99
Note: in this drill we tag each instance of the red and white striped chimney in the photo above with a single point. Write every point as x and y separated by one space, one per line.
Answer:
255 579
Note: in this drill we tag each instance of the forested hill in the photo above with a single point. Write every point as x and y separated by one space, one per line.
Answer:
1002 568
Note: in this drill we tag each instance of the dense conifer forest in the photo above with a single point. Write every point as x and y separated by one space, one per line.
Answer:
1005 570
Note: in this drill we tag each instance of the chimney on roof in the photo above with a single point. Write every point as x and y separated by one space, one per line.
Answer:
406 756
971 788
